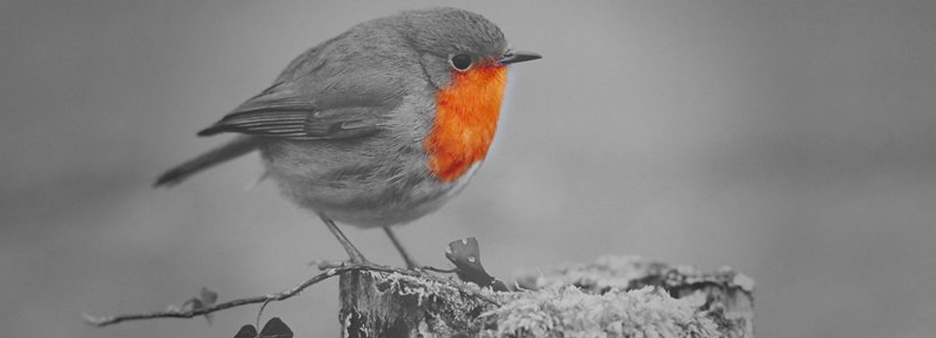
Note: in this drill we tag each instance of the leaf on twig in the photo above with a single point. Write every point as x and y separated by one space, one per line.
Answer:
274 328
466 255
205 299
208 297
246 331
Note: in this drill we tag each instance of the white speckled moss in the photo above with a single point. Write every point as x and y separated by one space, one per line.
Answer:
568 312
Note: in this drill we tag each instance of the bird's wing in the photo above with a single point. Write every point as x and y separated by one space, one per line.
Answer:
299 118
316 100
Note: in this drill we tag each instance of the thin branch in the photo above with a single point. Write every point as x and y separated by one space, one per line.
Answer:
282 295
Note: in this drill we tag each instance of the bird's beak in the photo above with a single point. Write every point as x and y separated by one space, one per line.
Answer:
518 56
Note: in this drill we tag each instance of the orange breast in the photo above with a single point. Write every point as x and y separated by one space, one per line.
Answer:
465 121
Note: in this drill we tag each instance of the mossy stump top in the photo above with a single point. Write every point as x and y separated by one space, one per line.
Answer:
612 297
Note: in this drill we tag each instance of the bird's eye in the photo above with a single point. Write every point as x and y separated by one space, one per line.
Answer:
461 62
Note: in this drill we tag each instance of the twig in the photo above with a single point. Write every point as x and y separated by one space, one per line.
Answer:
439 270
282 295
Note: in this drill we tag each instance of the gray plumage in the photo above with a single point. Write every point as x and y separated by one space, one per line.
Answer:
341 129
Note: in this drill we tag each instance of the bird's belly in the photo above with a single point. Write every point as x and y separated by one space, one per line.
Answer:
367 193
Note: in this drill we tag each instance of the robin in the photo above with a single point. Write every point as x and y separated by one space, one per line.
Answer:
379 125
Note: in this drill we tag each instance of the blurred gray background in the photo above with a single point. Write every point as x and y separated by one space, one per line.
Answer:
792 140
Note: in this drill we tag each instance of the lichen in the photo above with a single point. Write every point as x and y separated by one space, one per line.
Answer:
608 272
442 307
423 287
571 313
629 272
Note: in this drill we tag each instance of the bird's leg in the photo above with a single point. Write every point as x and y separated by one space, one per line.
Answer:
410 263
353 253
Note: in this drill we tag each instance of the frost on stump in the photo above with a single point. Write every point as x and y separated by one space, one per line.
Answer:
613 297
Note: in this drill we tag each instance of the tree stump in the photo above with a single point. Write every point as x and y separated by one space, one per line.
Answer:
613 297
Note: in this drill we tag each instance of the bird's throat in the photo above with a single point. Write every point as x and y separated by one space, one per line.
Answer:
465 120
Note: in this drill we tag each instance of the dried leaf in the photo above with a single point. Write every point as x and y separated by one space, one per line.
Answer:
466 255
208 297
205 299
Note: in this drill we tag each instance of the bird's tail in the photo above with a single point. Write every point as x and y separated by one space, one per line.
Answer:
235 148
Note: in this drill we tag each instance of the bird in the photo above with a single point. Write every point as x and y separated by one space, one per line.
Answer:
379 125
